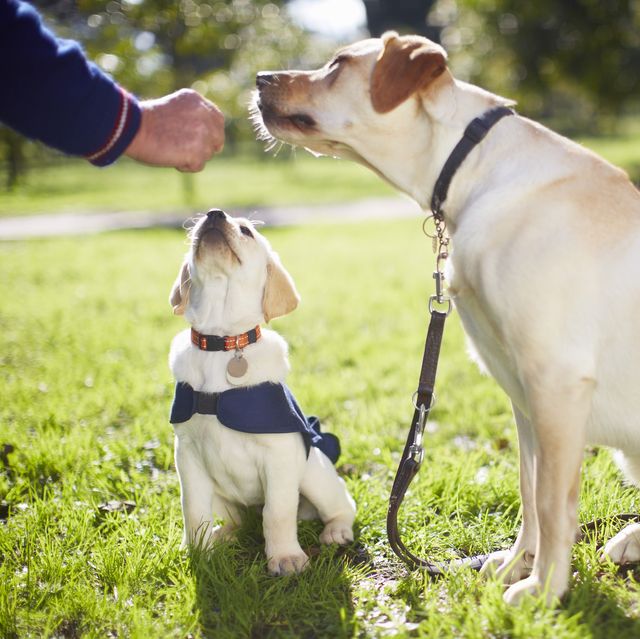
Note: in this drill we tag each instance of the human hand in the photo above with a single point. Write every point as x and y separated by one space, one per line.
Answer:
181 130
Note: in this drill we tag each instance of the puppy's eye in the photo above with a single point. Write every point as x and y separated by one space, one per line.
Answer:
245 230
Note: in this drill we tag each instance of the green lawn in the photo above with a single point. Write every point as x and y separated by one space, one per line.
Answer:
90 518
242 181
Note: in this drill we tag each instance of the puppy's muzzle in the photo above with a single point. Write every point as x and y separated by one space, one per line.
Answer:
216 214
213 230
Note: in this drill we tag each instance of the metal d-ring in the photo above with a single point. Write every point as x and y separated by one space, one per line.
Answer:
443 300
415 405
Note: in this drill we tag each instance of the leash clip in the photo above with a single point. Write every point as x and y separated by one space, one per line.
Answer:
439 297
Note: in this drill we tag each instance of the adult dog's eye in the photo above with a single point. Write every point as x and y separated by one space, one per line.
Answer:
245 230
337 61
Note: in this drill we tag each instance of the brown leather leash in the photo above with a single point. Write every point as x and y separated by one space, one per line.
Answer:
413 453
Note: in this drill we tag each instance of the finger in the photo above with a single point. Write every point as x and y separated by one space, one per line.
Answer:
194 165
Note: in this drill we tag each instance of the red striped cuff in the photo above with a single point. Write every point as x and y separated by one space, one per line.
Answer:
124 129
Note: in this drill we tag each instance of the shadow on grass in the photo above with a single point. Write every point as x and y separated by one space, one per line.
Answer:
236 597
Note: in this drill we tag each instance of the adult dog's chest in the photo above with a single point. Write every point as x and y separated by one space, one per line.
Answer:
486 342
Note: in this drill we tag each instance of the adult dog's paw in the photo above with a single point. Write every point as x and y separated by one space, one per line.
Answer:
507 566
287 563
337 532
624 548
531 586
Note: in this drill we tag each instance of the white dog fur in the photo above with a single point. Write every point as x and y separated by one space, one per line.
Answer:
544 272
230 282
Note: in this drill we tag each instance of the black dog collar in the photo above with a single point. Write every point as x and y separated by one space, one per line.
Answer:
473 135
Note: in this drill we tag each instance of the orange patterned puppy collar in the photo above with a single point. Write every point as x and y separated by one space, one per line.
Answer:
225 343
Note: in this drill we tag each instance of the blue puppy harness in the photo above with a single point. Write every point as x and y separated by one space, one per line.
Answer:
262 409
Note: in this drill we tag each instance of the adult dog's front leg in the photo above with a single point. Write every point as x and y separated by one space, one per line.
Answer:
558 415
516 563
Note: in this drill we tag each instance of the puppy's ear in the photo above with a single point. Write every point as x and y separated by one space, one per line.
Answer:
406 65
179 297
280 295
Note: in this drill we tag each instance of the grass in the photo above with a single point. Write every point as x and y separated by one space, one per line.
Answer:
241 181
90 530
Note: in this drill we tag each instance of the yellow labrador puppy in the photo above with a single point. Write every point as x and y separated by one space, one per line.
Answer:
241 438
545 268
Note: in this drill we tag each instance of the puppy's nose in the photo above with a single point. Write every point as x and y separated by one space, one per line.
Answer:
216 214
264 78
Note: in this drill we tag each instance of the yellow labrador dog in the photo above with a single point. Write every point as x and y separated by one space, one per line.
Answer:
545 267
241 439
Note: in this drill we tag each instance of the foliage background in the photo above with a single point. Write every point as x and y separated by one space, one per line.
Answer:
572 63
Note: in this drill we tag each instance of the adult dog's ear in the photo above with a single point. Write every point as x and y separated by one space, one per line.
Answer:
179 297
407 64
280 295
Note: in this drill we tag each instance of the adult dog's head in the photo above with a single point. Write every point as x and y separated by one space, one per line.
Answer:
366 88
389 103
231 279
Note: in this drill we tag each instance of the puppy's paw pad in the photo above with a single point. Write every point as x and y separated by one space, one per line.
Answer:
288 564
624 548
337 532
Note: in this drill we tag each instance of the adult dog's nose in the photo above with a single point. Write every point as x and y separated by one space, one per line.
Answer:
216 214
264 78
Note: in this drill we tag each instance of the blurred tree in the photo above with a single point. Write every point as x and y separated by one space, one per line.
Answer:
13 145
153 47
156 46
405 16
573 58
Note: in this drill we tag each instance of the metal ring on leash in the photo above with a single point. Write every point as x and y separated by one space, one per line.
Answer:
415 404
444 300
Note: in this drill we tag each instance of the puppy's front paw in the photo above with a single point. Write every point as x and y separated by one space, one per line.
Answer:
624 548
337 531
287 563
507 567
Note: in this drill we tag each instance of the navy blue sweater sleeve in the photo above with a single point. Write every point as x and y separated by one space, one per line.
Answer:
50 92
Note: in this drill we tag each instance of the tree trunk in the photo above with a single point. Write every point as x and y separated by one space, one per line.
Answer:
14 157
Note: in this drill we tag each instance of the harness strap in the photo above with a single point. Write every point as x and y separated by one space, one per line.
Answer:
205 403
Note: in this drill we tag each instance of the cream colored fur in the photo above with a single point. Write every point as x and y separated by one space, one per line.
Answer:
545 268
230 282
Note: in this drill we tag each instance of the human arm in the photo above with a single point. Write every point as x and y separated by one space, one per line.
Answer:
52 93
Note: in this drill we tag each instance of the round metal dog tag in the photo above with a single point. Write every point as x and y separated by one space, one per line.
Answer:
237 369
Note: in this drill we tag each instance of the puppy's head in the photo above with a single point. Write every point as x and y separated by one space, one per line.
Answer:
364 89
231 279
